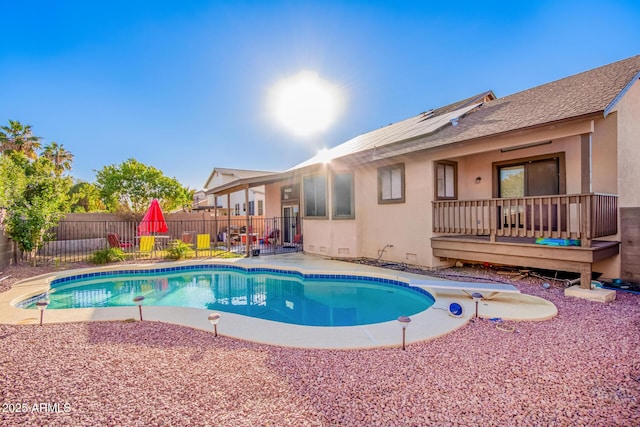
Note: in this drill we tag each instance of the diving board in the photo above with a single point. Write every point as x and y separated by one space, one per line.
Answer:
488 290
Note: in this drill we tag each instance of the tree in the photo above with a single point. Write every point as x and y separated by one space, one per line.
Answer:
19 137
12 180
131 186
37 203
85 197
60 157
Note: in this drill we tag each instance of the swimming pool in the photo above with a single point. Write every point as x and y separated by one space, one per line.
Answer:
271 294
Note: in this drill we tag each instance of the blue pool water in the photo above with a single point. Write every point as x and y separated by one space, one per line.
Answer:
278 295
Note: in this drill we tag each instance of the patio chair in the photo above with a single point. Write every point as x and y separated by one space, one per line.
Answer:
187 237
203 243
146 245
114 241
272 238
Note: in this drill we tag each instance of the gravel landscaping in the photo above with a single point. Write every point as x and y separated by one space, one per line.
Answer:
581 368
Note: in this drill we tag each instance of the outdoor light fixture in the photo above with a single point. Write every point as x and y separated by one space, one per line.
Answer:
404 322
478 179
477 296
42 304
214 318
138 300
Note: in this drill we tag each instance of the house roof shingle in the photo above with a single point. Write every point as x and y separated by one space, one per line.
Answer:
423 124
586 93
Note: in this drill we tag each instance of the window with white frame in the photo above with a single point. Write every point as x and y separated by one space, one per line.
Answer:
252 207
391 184
315 195
260 207
237 209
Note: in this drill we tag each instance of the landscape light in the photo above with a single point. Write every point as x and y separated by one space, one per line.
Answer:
404 323
42 304
477 296
214 318
138 300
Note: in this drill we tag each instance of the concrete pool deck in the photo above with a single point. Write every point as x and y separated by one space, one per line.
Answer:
428 324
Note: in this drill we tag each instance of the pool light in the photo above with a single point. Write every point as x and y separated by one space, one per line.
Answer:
404 322
138 300
477 296
42 304
214 318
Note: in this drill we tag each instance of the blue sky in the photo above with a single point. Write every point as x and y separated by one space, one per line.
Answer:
182 85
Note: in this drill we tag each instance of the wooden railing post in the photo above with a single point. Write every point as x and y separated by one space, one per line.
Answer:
585 220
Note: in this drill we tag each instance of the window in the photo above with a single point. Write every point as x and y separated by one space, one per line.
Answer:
529 178
252 208
391 184
315 195
446 180
237 209
533 176
260 207
343 204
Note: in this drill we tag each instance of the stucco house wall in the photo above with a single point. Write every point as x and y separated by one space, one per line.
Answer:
628 136
604 154
628 132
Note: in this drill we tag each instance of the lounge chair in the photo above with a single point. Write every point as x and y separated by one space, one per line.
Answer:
114 241
146 245
203 243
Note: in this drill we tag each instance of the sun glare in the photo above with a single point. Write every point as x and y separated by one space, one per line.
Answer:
305 104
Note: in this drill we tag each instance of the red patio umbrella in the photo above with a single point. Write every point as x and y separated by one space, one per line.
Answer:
153 221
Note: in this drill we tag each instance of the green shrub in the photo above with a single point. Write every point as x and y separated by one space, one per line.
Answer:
179 250
105 256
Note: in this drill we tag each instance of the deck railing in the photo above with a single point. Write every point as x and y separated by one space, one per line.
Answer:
580 216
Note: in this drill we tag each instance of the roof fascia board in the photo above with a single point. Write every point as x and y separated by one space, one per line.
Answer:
241 184
619 96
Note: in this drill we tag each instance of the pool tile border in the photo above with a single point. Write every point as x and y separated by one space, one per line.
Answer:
224 267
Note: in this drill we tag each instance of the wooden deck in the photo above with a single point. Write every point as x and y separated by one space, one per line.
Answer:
524 252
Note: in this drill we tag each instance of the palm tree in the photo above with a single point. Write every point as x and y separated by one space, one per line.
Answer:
60 157
18 137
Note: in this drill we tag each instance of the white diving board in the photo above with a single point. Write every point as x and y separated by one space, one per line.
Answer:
488 290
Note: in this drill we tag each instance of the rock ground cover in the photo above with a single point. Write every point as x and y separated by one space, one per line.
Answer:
580 369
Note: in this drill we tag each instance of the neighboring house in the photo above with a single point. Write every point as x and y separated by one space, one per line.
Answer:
200 201
481 180
237 203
